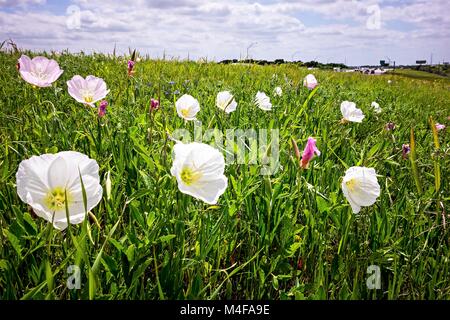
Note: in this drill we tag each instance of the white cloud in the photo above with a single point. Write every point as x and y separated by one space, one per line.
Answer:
332 30
19 3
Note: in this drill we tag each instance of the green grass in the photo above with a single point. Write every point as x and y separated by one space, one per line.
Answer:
290 235
420 75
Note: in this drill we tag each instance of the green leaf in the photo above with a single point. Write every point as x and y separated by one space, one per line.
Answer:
322 204
92 285
293 248
167 238
49 276
130 252
14 242
374 149
29 221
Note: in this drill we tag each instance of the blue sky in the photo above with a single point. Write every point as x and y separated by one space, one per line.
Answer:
353 31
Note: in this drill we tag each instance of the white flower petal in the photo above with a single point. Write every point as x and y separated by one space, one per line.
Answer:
39 71
92 87
278 91
187 107
360 187
366 192
60 217
231 107
42 212
206 158
31 178
263 101
209 191
78 163
206 166
25 63
60 224
225 101
94 192
42 180
350 112
57 173
376 107
75 87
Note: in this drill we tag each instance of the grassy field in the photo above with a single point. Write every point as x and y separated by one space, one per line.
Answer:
420 75
291 235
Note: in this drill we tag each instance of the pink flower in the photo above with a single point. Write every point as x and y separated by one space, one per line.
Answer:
87 91
440 127
308 153
310 82
102 108
130 67
406 149
39 71
154 104
390 126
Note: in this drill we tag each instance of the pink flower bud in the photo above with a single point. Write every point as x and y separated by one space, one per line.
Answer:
130 67
309 152
406 149
296 151
390 126
154 104
102 108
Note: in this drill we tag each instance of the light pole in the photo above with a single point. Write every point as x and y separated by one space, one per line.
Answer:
292 57
249 47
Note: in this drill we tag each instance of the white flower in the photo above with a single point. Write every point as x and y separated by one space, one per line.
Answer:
263 101
187 107
376 107
278 91
350 112
39 71
225 101
44 182
199 170
310 81
87 91
360 187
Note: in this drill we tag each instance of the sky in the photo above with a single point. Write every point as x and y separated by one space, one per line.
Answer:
355 32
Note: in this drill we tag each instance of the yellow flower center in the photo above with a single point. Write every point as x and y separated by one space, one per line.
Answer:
56 199
185 112
351 184
190 176
88 99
